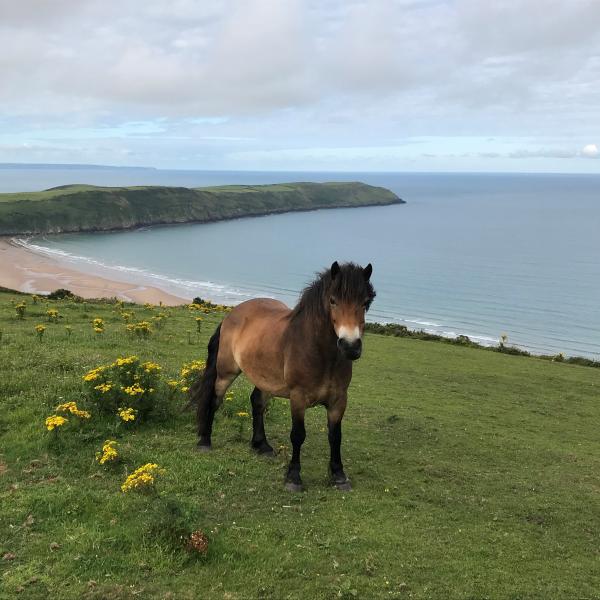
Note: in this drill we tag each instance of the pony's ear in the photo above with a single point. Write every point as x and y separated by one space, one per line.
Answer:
335 270
367 271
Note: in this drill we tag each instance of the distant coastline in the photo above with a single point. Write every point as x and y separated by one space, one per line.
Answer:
85 208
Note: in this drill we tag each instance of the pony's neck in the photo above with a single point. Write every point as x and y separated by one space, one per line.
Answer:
316 331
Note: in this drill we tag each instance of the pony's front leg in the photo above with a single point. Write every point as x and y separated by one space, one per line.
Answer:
293 482
334 425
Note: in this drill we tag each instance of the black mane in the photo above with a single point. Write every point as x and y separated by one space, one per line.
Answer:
349 285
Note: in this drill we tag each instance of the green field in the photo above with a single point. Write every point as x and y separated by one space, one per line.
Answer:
74 208
476 475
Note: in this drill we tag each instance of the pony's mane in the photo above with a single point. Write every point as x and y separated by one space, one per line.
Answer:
349 285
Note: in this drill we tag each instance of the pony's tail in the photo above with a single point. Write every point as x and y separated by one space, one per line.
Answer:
202 393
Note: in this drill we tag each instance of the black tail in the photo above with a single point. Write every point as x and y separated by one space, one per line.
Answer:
202 392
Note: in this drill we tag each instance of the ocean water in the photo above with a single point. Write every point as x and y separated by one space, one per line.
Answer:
474 254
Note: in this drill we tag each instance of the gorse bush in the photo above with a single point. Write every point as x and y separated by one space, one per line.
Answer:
20 310
63 294
128 388
141 330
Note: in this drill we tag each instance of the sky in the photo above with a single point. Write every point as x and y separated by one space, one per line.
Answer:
328 85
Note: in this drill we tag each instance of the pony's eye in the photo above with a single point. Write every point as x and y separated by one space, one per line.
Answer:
332 301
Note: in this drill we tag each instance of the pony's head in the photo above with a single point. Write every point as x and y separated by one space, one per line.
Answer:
348 296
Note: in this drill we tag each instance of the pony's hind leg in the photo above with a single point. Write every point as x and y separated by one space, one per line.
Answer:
219 374
259 439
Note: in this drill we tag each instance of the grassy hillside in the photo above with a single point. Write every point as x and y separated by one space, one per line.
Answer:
476 475
89 208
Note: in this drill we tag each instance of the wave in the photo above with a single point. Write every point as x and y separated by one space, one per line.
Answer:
188 287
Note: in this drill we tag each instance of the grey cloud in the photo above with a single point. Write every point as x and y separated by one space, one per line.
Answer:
332 73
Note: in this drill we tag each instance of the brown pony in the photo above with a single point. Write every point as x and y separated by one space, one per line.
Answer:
304 354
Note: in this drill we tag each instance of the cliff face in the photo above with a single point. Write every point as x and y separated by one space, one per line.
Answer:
88 208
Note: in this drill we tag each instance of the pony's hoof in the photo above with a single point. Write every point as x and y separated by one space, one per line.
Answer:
290 486
203 448
265 450
343 486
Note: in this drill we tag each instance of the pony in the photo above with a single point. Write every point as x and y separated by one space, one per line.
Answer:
304 354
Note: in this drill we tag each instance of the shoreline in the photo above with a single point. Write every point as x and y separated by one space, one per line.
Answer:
29 271
24 270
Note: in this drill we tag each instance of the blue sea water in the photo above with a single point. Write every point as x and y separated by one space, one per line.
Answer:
474 254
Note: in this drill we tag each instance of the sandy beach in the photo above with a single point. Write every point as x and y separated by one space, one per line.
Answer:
27 271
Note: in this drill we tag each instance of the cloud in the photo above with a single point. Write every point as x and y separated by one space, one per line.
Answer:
590 151
301 75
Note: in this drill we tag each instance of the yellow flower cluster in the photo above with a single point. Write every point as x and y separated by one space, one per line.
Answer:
55 421
243 413
93 374
158 319
109 452
40 329
196 366
129 360
207 307
144 477
149 367
71 407
141 329
126 316
134 390
52 314
104 387
20 309
127 414
98 325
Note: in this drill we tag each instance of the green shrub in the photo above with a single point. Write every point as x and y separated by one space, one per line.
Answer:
128 388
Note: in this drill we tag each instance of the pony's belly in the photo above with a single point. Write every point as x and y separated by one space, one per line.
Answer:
266 380
263 368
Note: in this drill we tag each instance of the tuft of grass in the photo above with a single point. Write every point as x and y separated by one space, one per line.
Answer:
476 475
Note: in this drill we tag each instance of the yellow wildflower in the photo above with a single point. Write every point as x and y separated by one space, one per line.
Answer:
173 383
104 387
150 366
109 452
55 421
124 361
243 413
71 407
143 477
93 374
134 390
98 325
127 414
196 366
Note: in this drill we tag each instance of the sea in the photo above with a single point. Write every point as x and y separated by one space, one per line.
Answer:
482 255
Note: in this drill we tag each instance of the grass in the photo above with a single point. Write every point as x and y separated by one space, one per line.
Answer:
476 475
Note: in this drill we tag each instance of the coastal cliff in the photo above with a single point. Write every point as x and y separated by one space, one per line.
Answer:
80 208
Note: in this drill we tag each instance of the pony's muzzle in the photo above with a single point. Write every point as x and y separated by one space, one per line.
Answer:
350 349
